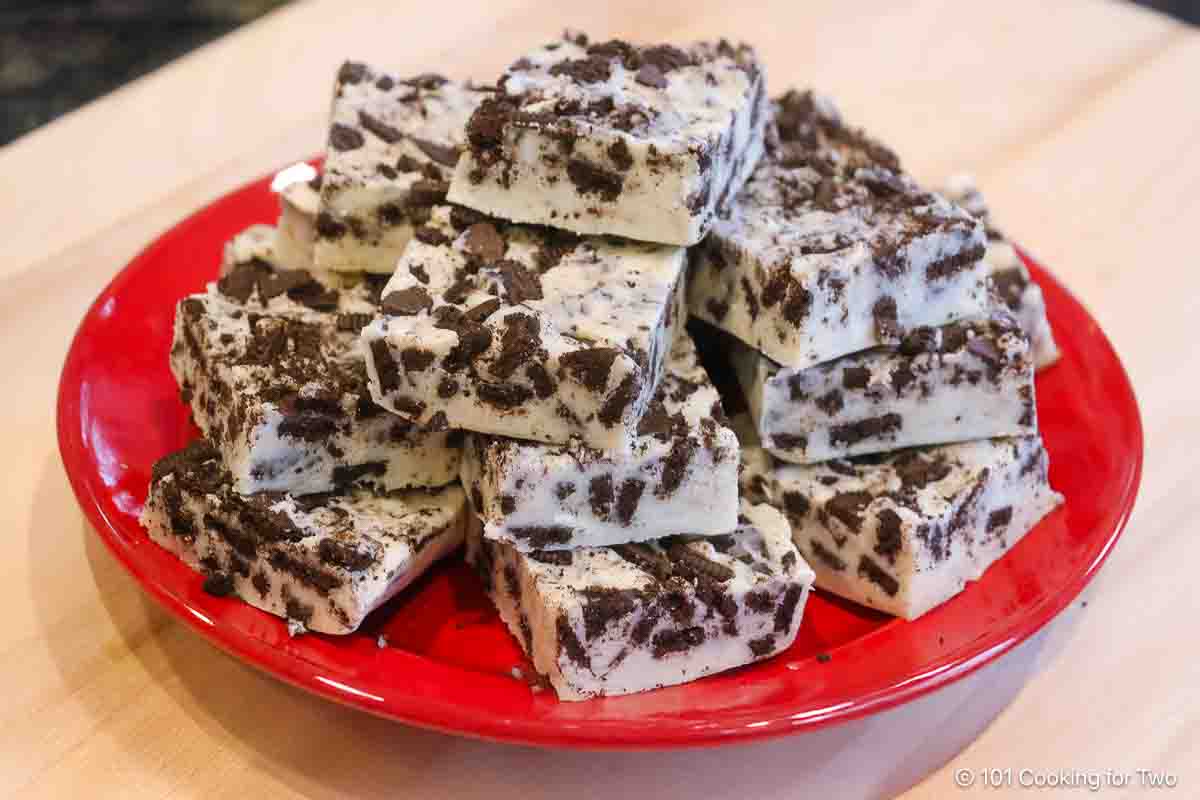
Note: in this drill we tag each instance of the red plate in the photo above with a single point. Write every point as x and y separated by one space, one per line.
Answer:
449 662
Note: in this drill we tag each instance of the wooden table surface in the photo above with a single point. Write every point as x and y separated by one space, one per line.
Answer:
1081 121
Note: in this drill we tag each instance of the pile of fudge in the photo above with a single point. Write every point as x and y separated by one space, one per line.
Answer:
496 322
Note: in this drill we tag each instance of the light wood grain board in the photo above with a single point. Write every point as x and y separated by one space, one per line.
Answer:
1081 121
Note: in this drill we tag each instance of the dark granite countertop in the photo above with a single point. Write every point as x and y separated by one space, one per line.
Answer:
56 56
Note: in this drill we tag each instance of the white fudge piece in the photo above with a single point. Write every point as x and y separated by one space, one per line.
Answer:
962 189
525 332
268 244
393 143
904 532
257 242
1014 286
962 381
679 475
633 617
269 362
324 562
288 245
1011 282
831 248
643 142
299 190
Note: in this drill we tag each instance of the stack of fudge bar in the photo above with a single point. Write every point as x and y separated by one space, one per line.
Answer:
885 340
471 327
304 497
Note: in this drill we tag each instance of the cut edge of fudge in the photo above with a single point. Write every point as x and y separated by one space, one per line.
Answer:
905 532
1012 283
525 332
832 248
299 190
635 617
323 562
1015 288
967 380
646 142
289 243
679 475
268 361
391 149
269 245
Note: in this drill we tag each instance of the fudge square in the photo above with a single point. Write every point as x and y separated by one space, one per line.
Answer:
299 190
525 331
269 362
278 251
288 244
681 474
647 142
392 146
324 561
632 617
1012 284
831 248
962 381
904 532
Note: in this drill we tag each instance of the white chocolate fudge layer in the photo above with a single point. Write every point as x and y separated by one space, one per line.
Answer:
633 617
1011 282
269 362
525 332
268 244
831 248
299 190
1014 287
289 244
962 381
681 474
392 146
324 562
904 532
643 142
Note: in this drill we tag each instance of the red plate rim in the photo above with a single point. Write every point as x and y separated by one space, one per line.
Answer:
449 714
